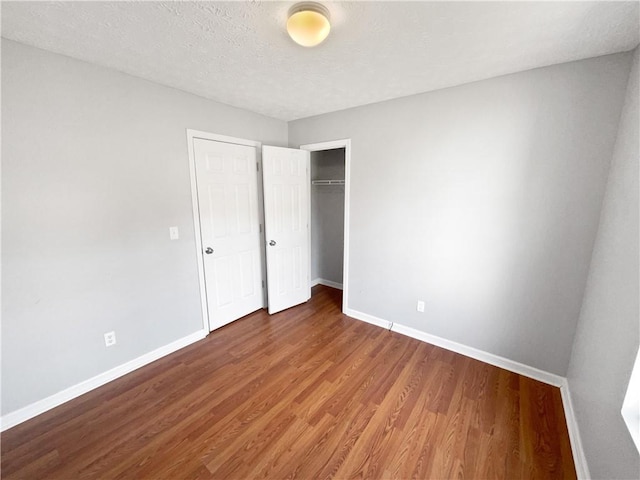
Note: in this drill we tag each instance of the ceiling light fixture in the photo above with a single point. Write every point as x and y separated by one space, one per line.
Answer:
308 23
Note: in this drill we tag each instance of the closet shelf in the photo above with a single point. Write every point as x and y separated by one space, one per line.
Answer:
327 182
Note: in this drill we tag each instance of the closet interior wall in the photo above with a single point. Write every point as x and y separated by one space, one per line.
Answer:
327 217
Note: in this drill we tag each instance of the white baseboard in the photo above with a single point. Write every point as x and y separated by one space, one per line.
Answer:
546 377
582 469
486 357
18 416
365 317
327 283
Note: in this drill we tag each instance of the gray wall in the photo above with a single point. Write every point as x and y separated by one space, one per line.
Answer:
608 332
483 200
327 216
95 171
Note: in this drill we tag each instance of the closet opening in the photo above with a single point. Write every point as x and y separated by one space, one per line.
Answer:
327 173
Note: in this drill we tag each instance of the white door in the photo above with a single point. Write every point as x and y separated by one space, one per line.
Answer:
285 173
227 184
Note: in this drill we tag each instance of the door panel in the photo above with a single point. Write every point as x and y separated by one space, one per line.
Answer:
286 205
227 185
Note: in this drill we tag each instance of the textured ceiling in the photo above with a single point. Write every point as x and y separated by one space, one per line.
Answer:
239 53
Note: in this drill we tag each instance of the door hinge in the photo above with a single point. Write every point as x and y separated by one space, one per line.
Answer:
260 228
262 283
257 167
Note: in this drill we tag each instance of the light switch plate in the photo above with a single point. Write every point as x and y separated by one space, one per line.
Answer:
174 233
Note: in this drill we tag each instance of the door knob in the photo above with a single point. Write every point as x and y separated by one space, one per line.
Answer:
209 251
272 243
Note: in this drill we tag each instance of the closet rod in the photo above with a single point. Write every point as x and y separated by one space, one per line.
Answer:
327 182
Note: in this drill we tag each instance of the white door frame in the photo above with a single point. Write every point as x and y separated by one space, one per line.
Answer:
191 135
346 144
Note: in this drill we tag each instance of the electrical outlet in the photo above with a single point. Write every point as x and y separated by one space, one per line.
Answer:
420 306
110 339
174 233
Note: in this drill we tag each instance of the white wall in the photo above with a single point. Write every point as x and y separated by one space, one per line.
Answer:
94 172
608 333
327 216
484 201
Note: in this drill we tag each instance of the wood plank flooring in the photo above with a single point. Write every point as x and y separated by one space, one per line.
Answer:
307 393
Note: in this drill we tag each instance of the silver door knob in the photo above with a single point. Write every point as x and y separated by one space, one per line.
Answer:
272 243
209 251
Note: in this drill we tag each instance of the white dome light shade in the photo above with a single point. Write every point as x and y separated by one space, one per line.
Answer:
308 24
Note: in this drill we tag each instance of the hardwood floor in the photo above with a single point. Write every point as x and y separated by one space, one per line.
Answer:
307 393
